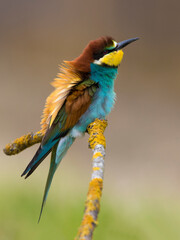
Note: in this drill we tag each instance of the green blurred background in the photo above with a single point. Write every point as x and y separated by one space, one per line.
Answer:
141 188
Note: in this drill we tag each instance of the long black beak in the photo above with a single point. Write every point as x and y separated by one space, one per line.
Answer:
124 43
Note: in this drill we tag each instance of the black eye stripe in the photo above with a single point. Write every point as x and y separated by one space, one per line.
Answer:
101 54
105 52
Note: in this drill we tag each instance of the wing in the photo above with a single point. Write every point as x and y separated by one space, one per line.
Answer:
75 105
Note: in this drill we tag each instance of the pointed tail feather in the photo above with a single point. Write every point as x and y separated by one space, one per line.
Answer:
40 155
58 152
32 169
53 167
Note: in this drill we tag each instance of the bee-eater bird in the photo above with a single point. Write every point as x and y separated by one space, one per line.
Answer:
84 91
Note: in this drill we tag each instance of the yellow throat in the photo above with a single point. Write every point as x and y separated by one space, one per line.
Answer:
112 59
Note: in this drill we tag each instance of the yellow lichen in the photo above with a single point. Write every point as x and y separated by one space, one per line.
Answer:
92 205
22 143
87 225
96 168
95 188
96 130
98 154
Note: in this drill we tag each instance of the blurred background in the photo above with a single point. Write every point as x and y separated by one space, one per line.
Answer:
141 186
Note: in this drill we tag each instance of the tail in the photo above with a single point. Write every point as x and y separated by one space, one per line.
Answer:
40 155
58 152
53 167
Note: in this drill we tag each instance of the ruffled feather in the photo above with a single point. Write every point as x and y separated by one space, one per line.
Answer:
63 83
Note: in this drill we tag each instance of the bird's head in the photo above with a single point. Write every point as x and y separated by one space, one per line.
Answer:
104 52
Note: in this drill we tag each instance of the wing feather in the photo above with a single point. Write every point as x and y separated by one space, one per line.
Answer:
75 105
65 81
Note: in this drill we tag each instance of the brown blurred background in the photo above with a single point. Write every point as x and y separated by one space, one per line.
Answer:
143 135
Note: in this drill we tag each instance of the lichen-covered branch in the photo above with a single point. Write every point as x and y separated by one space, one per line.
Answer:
92 206
97 143
22 143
